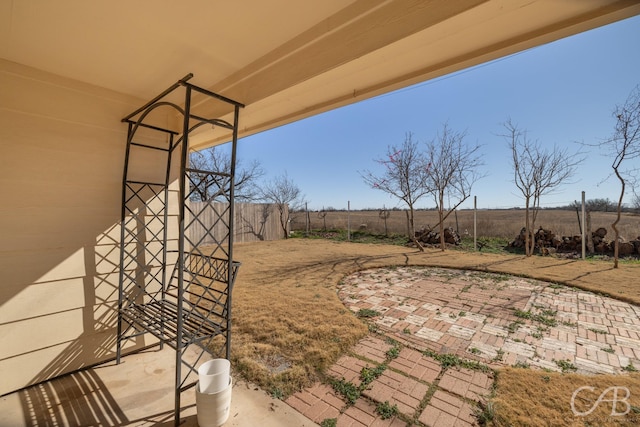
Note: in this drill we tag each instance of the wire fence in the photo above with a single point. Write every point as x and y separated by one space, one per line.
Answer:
490 223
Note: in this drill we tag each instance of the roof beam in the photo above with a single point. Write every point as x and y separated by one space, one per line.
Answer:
351 33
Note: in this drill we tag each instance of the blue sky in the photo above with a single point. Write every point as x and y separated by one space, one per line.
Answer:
562 93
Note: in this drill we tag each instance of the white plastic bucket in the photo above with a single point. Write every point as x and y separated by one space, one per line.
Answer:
213 376
213 408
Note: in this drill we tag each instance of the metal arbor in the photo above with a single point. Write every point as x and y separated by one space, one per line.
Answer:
170 286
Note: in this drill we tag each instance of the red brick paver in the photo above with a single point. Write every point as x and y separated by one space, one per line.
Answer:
397 389
457 311
364 413
469 384
373 348
317 403
475 316
445 410
416 365
349 368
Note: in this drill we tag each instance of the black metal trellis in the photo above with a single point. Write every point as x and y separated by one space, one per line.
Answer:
170 286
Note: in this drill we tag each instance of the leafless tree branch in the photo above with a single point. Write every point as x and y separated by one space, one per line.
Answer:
537 172
624 145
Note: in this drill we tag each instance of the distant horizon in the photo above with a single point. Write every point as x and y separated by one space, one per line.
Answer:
625 209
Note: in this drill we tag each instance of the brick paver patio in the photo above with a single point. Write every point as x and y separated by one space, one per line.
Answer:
408 373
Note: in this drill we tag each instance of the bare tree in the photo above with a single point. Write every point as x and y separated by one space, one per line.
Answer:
404 177
216 159
537 172
287 197
635 203
625 145
452 169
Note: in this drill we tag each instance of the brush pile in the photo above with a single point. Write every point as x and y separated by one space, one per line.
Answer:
548 242
432 236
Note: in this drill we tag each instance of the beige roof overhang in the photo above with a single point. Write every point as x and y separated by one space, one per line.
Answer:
284 59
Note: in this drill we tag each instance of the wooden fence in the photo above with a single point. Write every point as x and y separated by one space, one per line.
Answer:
252 222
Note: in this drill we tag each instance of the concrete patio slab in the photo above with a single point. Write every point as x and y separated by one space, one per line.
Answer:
137 392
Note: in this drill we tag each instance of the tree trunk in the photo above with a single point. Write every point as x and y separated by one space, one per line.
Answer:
616 243
588 234
411 230
283 222
532 221
527 227
408 226
443 244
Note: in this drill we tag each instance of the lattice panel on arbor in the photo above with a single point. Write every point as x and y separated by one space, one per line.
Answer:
172 287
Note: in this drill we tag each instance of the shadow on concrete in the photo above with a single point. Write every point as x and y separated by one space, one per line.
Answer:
77 399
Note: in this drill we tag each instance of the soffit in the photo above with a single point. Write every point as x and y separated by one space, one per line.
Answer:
284 59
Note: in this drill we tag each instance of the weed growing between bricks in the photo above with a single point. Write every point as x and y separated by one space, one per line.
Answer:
350 392
546 317
394 351
486 410
367 313
329 422
386 410
486 413
483 411
427 398
566 366
449 360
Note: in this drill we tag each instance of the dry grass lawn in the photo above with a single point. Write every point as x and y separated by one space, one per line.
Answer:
289 325
538 398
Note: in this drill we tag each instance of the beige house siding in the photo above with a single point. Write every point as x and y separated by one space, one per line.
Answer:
61 159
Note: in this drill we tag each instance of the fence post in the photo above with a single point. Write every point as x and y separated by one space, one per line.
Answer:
584 233
475 222
348 220
307 219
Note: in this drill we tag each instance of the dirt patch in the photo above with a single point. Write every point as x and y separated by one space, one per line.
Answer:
275 363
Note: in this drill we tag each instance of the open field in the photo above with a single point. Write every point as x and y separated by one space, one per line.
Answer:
289 326
503 223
